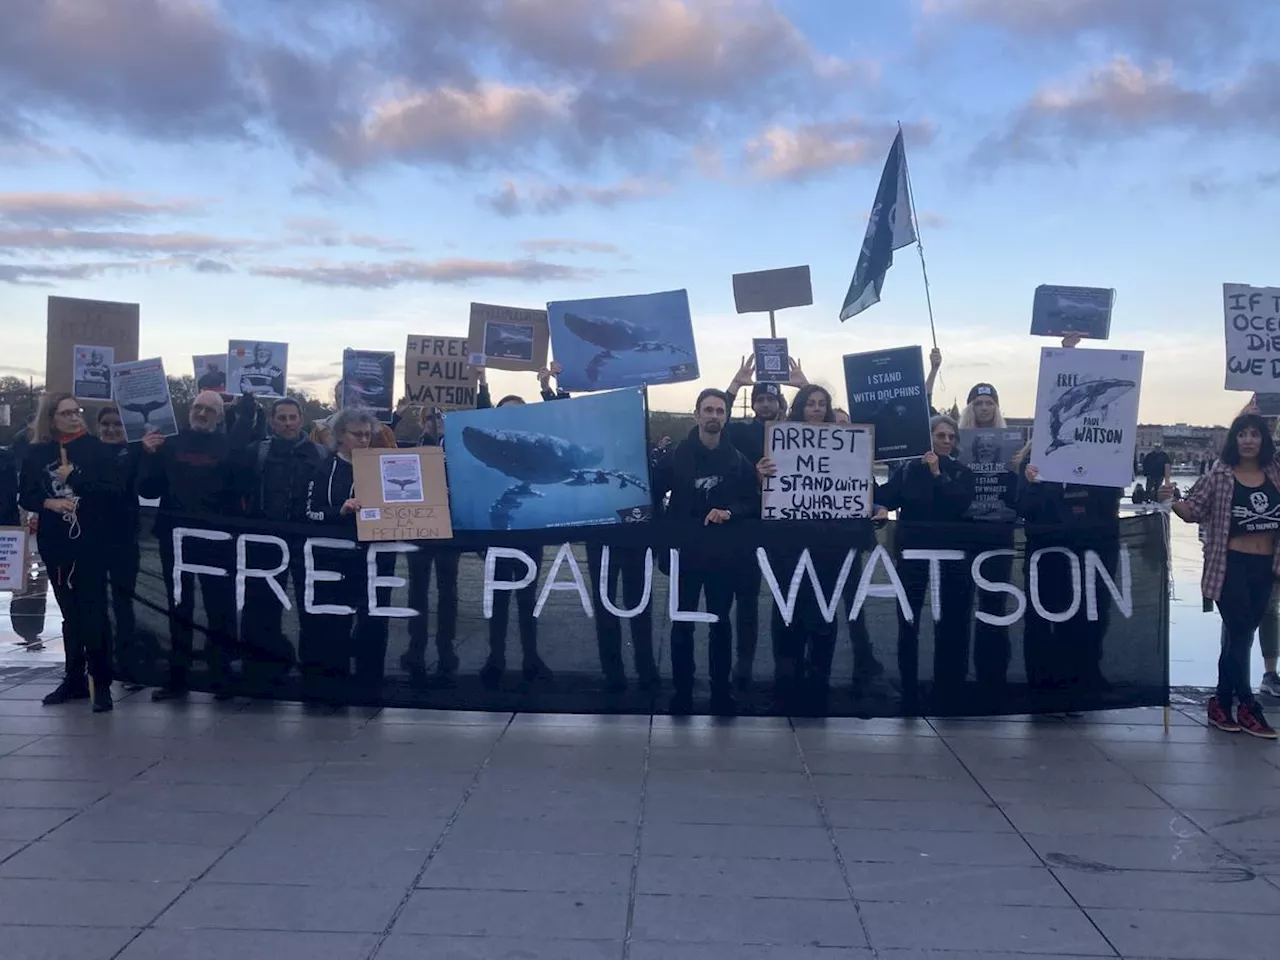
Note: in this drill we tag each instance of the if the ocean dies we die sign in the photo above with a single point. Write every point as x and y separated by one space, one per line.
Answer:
823 471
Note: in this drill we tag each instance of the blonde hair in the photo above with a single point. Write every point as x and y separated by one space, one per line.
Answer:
1020 457
42 426
969 422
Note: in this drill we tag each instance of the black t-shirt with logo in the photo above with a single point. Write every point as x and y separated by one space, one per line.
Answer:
1255 509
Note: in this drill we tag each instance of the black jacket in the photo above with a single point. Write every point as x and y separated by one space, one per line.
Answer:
332 485
193 473
122 518
919 496
1153 464
279 472
701 479
95 481
9 516
1046 504
748 436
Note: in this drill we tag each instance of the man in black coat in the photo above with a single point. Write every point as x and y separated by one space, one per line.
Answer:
710 483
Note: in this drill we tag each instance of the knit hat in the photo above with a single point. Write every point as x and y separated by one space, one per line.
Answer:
984 390
767 389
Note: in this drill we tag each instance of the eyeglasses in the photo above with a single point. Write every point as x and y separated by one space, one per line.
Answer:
68 413
360 434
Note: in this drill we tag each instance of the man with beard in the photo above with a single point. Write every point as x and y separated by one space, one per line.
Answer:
193 477
710 483
278 474
261 376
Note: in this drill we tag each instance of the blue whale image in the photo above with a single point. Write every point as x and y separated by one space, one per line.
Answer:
529 457
608 333
1081 400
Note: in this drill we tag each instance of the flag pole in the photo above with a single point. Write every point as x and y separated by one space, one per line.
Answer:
924 270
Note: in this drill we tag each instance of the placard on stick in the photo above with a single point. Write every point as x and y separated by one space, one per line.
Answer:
1252 319
765 291
437 374
509 338
823 471
1084 311
14 559
403 494
72 321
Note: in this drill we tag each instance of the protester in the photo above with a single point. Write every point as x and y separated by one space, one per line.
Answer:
1238 508
709 483
133 657
10 516
1269 629
326 649
384 436
936 489
194 474
1154 466
71 480
982 409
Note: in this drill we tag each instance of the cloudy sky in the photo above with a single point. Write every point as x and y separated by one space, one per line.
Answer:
346 172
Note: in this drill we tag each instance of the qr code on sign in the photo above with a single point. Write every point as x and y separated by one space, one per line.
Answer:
773 363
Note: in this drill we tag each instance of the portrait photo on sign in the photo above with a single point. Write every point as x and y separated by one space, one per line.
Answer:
614 342
91 372
989 453
257 367
211 371
550 464
141 391
887 390
1086 422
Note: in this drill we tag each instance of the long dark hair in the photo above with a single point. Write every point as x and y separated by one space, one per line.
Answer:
1231 449
796 413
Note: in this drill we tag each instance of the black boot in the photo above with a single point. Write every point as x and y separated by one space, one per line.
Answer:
102 702
67 691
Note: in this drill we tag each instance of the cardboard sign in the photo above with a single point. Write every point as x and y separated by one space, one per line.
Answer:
402 494
1252 320
13 559
767 290
823 471
773 364
437 373
988 453
141 391
887 390
1059 311
72 321
1086 425
91 372
1268 404
509 338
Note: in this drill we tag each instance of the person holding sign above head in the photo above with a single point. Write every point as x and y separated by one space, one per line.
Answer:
1237 505
710 483
936 489
71 481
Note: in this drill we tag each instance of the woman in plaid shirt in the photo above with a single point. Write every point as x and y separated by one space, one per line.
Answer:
1238 508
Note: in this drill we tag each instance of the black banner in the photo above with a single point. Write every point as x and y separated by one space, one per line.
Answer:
964 619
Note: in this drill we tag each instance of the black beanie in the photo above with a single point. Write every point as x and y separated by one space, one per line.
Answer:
984 390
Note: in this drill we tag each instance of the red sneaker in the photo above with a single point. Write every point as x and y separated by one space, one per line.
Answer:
1221 718
1254 723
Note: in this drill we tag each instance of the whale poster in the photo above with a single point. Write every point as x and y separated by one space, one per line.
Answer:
1084 311
1086 425
887 390
508 338
141 391
403 495
368 381
552 464
613 342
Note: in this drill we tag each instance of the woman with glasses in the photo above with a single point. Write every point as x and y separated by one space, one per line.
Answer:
72 482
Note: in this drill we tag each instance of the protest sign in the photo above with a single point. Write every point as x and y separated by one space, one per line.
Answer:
402 494
765 291
257 367
612 342
91 372
887 390
141 391
13 559
508 338
437 373
210 371
1252 318
773 364
1086 422
823 471
1268 404
988 453
1059 311
72 321
538 465
368 381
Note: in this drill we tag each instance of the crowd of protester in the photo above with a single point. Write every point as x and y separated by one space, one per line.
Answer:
80 484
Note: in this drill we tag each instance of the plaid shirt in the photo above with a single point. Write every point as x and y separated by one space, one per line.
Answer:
1210 503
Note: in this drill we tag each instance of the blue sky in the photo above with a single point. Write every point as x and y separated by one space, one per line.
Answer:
347 172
